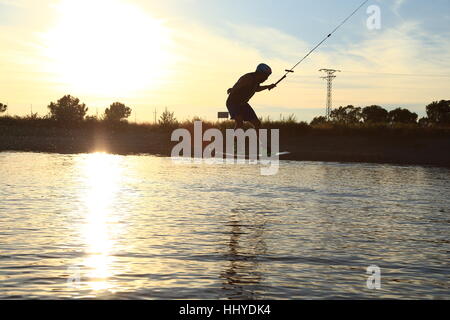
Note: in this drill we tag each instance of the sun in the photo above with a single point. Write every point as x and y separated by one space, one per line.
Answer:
107 47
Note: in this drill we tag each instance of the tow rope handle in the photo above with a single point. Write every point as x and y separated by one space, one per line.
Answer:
284 77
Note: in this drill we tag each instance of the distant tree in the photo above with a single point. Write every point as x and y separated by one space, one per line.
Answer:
424 122
346 115
375 114
439 112
117 112
167 119
91 118
319 120
400 115
68 109
3 107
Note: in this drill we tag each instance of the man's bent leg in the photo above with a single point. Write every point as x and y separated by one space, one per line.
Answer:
239 122
256 124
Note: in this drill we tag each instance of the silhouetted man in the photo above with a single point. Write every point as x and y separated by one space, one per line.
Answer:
243 91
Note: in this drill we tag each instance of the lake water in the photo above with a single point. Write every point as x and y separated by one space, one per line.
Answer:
141 227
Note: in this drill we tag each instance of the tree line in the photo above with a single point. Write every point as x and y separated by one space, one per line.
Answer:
438 113
70 109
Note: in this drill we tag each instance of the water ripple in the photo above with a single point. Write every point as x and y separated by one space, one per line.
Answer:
140 227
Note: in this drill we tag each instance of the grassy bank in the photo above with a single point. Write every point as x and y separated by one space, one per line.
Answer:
399 144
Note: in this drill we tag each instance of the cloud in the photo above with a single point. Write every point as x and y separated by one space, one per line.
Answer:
405 49
209 60
397 5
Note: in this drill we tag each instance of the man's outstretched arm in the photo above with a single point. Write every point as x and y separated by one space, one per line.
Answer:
262 88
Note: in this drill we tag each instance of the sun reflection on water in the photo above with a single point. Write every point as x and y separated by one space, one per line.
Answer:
102 174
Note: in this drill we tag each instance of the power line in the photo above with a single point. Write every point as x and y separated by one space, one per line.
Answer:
402 74
412 75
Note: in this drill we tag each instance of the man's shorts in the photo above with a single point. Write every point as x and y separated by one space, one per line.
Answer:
244 110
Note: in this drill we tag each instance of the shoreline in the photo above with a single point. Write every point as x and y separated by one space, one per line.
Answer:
313 145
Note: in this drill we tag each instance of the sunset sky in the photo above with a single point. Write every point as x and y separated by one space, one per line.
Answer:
185 54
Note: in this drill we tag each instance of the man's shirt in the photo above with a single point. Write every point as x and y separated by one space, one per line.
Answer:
244 89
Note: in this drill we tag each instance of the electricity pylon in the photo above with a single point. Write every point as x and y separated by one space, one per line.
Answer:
329 77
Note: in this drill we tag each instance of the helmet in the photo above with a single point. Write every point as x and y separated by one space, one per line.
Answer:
264 68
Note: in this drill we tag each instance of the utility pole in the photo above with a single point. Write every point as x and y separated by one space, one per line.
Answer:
155 115
329 77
